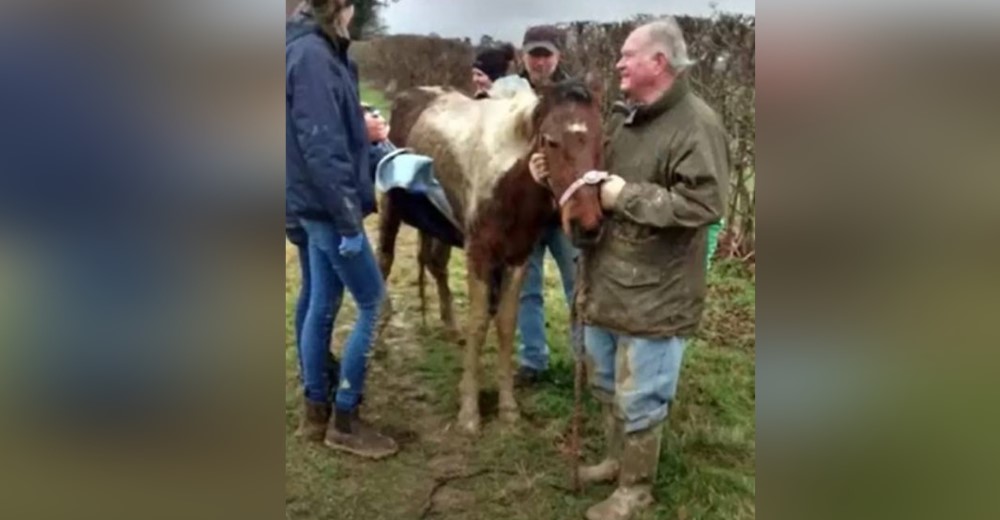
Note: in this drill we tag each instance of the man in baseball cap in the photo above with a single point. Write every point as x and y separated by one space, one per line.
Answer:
542 48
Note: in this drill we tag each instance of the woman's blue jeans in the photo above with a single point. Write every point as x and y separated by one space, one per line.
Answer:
329 274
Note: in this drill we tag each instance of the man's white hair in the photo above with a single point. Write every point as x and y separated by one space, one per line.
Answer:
666 36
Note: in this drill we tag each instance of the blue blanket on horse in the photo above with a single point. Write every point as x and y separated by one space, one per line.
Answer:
408 180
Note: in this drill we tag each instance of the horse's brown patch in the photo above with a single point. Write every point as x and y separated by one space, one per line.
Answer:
508 226
406 110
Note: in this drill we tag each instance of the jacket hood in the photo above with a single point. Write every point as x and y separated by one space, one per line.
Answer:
303 23
299 25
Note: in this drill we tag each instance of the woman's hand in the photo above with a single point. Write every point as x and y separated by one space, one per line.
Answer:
378 129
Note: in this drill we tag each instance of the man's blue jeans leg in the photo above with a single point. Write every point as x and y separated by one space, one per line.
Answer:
533 351
638 375
331 273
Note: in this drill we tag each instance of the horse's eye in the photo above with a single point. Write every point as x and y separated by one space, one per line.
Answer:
551 143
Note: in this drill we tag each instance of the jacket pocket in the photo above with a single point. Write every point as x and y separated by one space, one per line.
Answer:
634 274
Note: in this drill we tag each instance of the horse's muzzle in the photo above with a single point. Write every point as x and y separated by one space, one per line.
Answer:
583 238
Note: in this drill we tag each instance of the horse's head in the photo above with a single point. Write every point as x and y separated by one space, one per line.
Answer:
567 122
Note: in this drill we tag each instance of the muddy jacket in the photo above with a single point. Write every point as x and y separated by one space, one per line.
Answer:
646 277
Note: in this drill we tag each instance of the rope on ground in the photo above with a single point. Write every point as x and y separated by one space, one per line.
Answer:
579 375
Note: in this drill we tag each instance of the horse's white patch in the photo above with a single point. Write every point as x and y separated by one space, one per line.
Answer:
432 90
484 135
577 127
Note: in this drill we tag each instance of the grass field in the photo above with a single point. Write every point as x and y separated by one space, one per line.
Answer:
707 465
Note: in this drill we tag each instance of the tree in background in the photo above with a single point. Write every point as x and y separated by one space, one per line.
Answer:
368 21
486 41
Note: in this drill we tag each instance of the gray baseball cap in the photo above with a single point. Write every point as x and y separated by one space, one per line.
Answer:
548 37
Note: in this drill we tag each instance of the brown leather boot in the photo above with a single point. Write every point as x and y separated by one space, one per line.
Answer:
315 418
607 469
640 458
349 433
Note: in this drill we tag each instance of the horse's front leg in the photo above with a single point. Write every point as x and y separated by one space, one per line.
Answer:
506 321
477 326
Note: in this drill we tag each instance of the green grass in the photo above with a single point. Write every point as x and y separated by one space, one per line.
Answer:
375 98
707 465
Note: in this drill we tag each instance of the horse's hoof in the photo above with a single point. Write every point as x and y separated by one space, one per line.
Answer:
454 336
510 415
468 423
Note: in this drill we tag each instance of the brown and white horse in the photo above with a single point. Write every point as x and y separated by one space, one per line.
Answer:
481 150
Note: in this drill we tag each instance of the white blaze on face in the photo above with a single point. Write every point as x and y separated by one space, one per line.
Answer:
577 127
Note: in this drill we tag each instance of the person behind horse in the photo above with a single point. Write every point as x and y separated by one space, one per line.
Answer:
328 187
643 285
542 51
491 64
377 130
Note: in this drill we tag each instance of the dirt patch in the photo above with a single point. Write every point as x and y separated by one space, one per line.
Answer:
452 500
448 465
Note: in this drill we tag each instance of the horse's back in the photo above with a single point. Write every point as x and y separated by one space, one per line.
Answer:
409 105
472 142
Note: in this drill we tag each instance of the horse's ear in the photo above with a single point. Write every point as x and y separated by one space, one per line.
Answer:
595 84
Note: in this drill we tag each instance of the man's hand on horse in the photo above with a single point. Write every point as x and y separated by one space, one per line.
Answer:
610 190
539 167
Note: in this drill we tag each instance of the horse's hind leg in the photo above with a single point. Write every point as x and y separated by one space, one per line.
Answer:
437 264
424 253
506 322
389 222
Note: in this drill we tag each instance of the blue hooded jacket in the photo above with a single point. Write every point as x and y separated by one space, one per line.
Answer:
327 171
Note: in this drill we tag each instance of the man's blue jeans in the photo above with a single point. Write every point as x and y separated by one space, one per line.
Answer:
534 349
330 274
637 375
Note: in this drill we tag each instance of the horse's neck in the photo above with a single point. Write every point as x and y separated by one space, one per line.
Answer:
516 215
521 183
498 150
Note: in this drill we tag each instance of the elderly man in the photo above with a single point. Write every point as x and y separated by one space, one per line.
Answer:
542 51
644 283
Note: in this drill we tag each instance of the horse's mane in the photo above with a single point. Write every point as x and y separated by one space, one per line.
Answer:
525 109
570 90
516 122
